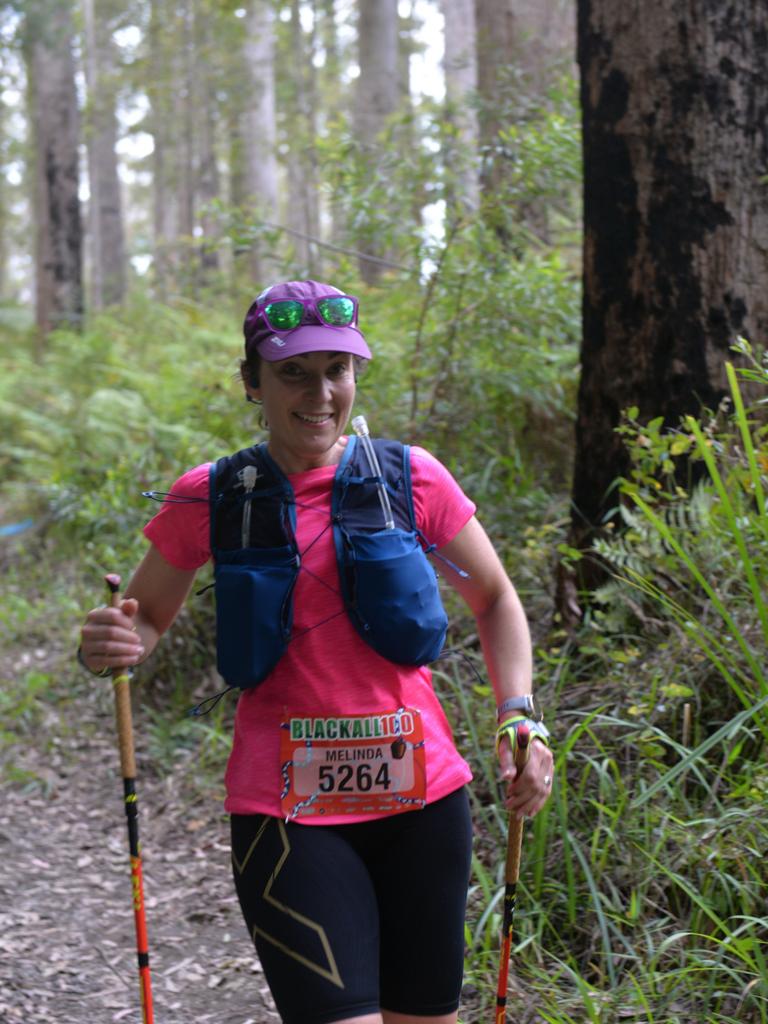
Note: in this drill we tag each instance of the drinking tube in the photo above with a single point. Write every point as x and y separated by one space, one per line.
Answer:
360 427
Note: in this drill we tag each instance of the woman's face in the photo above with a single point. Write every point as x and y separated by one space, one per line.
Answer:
307 401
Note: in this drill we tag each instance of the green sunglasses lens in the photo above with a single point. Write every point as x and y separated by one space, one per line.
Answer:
338 312
284 315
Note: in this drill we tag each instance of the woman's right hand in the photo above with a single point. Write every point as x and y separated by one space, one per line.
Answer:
110 638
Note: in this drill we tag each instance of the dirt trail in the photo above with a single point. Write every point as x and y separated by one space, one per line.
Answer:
67 946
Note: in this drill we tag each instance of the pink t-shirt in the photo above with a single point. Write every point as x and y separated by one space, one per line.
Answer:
327 670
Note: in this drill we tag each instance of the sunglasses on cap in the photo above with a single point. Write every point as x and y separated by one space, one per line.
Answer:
283 315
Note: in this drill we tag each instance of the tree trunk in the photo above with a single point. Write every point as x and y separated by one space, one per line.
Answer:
174 90
208 184
58 237
107 240
302 214
545 41
162 123
4 217
461 77
329 101
675 119
495 63
186 151
258 132
377 96
523 46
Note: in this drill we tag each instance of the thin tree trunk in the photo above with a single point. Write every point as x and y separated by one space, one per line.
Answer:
302 163
208 180
173 96
162 123
107 240
208 185
55 121
312 114
377 96
495 63
461 144
545 41
328 91
259 134
186 149
4 218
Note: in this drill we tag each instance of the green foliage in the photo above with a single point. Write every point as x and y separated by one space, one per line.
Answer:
673 764
700 558
95 418
642 890
537 158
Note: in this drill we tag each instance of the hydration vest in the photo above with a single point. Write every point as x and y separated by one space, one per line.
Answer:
387 584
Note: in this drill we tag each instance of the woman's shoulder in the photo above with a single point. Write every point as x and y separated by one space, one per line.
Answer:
425 465
193 482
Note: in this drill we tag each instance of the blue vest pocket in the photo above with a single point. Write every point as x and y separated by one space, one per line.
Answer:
395 601
254 611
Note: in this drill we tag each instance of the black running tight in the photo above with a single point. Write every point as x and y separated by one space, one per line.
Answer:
351 919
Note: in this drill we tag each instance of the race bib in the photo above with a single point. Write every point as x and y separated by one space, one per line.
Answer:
353 764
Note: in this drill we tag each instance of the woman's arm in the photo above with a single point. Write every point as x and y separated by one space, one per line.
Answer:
506 643
126 635
501 621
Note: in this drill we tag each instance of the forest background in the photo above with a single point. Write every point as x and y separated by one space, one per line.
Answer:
161 162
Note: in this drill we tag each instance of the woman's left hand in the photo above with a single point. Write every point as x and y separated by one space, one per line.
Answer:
528 791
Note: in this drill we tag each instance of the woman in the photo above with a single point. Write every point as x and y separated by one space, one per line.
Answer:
350 825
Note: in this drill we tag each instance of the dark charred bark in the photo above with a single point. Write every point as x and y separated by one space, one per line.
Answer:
675 120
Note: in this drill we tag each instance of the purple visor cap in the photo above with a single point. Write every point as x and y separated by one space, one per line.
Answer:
310 336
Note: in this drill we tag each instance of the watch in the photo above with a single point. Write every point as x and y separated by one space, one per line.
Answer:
527 704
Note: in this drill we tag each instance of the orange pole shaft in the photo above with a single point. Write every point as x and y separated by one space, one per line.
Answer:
511 876
124 721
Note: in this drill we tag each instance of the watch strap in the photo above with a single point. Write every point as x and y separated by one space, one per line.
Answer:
523 703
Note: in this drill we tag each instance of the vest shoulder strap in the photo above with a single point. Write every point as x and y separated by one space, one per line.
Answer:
251 502
355 502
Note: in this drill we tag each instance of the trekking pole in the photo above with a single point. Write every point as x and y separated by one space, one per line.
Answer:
121 681
511 876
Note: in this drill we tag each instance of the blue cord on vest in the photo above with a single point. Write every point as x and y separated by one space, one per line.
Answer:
197 711
431 549
169 498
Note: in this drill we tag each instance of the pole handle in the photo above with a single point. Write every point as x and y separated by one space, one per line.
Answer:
122 686
515 833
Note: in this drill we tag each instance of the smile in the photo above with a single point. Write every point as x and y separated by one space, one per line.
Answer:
322 418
